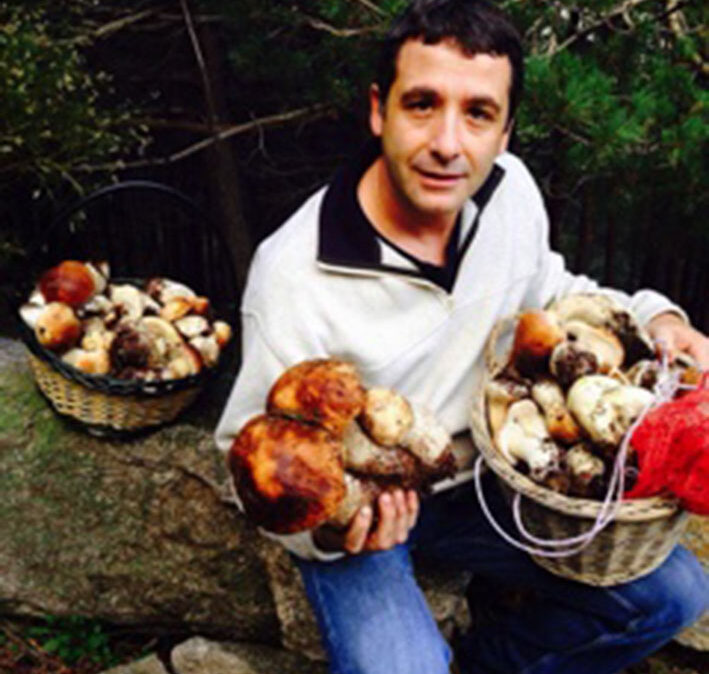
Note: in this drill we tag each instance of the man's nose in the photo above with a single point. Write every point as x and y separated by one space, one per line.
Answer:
445 139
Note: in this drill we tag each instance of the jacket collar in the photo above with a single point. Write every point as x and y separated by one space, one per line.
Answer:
347 239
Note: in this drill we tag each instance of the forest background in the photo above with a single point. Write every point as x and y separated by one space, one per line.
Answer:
248 106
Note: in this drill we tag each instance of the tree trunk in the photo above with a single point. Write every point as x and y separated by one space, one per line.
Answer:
220 165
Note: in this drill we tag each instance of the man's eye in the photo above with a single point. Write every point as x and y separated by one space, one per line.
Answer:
479 114
420 104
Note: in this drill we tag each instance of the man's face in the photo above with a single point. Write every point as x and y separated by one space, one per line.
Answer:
442 125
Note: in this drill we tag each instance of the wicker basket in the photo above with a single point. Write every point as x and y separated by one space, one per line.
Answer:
104 405
640 538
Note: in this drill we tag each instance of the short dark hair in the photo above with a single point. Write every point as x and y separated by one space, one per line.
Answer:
477 26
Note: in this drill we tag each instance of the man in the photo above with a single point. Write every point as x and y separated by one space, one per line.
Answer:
402 265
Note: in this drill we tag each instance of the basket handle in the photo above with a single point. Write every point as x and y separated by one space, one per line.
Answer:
605 517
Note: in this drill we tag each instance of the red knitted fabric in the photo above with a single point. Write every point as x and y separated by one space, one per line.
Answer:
672 444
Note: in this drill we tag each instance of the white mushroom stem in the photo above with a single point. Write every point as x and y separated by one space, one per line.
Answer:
560 424
500 393
427 439
359 492
524 437
606 408
363 455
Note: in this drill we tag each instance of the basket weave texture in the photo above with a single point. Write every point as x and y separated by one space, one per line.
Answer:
97 409
640 538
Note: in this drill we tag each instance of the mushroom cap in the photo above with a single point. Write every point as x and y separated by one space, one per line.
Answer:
601 342
91 362
71 282
605 408
57 327
288 474
536 335
387 416
324 391
604 311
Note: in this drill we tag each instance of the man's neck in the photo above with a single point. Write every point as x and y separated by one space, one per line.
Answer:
422 235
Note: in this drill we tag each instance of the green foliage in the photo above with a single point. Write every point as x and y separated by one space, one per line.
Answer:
51 117
74 639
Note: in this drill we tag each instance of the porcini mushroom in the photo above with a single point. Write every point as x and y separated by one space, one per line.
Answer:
324 391
362 455
536 335
606 408
524 437
288 474
387 416
603 311
57 326
559 421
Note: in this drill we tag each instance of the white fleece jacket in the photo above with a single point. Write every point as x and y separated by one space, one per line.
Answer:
399 329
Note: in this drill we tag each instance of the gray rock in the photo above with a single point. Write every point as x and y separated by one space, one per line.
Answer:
135 531
200 656
149 665
143 531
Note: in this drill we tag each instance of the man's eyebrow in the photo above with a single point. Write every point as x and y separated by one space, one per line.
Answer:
484 101
418 92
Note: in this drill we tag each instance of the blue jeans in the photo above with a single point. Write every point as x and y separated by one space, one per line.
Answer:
374 619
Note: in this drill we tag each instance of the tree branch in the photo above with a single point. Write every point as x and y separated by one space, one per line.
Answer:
208 96
619 10
319 24
302 114
370 5
113 27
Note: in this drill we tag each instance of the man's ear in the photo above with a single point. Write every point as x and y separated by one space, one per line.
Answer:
376 110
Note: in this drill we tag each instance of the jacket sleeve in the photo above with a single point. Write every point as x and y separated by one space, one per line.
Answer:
260 368
553 280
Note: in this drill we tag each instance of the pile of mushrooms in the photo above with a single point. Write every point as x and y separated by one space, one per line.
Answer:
579 374
161 331
327 446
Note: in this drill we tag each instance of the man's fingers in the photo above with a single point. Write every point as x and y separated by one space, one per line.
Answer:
401 524
412 501
383 537
358 531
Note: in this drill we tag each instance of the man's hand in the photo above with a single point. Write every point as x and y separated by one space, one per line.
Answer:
676 336
397 516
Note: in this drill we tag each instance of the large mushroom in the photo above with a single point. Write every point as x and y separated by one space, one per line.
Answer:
288 474
323 391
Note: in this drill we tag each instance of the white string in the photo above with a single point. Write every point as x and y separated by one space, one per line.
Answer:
664 390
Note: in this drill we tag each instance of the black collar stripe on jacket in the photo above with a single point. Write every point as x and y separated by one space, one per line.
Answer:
348 239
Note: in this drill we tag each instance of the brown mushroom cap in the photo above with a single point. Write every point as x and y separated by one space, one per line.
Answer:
288 474
57 327
536 335
325 391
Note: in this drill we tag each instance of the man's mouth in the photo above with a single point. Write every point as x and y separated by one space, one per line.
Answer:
442 178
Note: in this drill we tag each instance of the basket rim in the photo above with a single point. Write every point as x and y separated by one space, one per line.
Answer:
106 383
634 510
